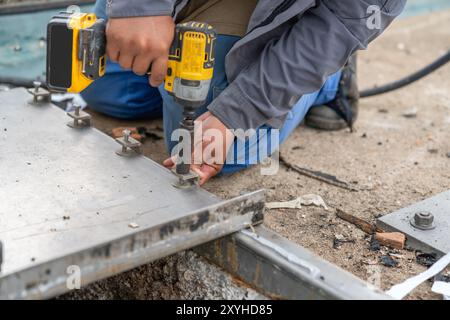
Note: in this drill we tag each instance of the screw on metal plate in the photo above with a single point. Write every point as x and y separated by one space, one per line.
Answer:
185 181
130 146
80 118
423 220
40 95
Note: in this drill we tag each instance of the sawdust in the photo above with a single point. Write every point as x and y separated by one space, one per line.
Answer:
388 155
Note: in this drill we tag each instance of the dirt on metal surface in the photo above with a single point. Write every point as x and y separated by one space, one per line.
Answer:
397 155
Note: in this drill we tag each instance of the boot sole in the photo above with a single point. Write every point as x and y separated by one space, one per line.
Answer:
325 124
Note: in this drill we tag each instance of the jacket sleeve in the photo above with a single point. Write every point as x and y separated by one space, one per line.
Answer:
301 60
139 8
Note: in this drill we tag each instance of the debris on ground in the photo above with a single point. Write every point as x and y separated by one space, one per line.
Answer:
396 255
394 240
388 261
339 239
133 225
318 175
443 277
399 291
306 200
426 259
411 113
369 262
433 151
374 244
358 222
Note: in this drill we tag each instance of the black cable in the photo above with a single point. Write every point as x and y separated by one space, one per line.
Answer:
408 79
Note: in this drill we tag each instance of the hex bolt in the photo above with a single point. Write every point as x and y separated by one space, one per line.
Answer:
80 118
423 220
130 146
77 113
40 95
126 137
37 85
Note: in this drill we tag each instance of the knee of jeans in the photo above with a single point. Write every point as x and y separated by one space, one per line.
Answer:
123 95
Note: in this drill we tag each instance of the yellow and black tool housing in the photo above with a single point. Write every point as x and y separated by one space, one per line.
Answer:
191 63
76 51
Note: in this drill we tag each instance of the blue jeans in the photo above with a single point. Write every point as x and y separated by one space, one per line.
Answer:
122 94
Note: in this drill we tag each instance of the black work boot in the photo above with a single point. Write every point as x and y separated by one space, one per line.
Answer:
343 110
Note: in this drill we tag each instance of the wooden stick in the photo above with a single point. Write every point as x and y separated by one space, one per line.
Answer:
359 223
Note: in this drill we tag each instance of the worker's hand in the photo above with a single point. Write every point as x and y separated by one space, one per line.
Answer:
211 146
138 42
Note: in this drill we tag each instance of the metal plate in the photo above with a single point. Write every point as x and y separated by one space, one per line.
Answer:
67 199
436 240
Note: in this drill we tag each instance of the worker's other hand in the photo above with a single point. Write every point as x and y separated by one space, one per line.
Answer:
138 42
211 145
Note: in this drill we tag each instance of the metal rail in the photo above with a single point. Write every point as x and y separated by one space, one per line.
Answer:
281 269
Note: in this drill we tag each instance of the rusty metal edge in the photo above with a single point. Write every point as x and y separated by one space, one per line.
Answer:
49 279
281 269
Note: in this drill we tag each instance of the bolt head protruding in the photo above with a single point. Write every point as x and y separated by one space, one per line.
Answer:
423 220
126 134
77 109
37 84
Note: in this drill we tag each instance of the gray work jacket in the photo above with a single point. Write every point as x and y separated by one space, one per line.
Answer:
290 49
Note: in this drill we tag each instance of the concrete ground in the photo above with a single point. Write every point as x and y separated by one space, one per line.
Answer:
396 160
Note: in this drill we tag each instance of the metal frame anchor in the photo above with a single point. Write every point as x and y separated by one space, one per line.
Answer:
80 118
185 181
40 95
130 146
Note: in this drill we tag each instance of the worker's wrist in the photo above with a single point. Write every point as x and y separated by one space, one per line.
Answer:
138 8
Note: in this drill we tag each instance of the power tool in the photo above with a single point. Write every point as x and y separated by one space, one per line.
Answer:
76 56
